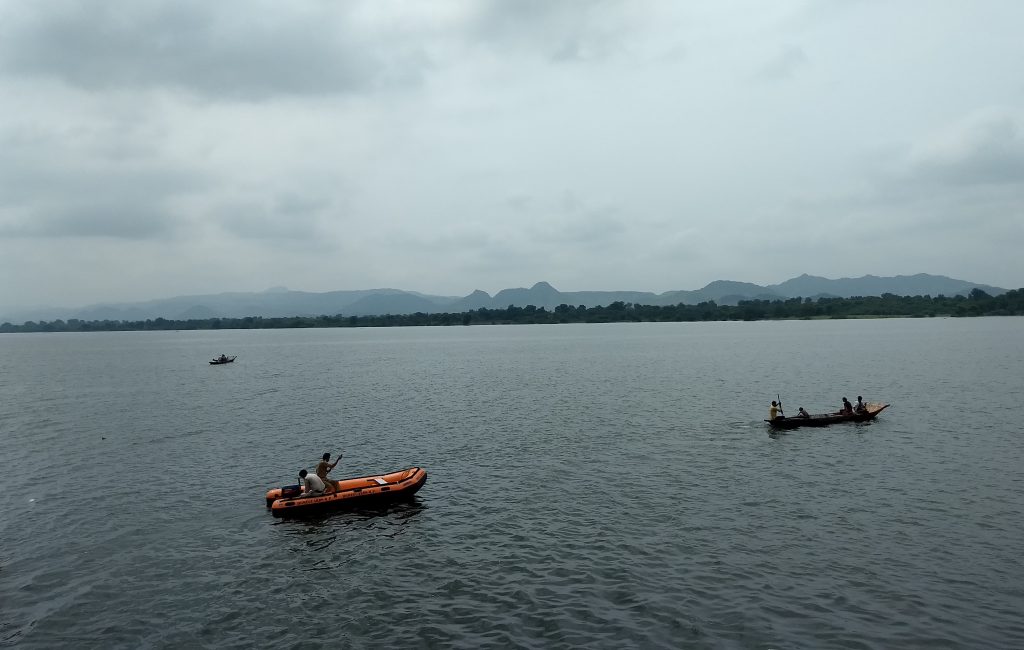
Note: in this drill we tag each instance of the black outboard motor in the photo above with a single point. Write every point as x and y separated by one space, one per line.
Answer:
286 492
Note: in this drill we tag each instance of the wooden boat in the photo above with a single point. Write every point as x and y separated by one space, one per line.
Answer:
221 359
285 501
871 410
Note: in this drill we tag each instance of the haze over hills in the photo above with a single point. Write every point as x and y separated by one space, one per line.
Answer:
281 302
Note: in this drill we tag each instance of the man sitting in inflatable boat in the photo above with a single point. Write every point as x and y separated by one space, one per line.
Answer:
312 486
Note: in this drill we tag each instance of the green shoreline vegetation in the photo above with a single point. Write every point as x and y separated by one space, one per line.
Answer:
977 303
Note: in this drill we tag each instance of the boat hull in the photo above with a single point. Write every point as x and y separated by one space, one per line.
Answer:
217 362
825 420
352 492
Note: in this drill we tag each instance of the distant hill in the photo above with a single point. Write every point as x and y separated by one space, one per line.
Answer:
281 302
378 303
921 284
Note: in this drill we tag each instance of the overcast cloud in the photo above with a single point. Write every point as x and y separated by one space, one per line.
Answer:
151 149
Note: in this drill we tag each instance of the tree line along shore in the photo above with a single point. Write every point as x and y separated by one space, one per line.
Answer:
977 303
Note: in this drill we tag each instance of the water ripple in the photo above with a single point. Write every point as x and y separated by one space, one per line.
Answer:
592 486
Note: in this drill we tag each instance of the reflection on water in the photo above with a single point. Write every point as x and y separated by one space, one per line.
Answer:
393 513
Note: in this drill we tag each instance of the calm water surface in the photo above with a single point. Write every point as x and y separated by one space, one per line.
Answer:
599 486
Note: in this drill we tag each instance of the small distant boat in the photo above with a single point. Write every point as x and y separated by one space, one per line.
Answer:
285 501
222 359
871 410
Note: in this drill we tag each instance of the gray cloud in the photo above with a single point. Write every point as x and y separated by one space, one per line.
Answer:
89 181
287 217
575 223
588 30
428 146
519 202
985 148
956 191
783 65
92 218
222 49
75 182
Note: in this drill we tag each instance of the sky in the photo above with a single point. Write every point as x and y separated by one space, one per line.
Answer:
152 149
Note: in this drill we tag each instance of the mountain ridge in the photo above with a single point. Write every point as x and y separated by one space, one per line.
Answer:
282 302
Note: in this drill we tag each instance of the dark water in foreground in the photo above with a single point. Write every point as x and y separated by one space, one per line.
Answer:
599 486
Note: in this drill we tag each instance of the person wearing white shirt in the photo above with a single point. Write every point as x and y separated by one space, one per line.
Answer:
312 486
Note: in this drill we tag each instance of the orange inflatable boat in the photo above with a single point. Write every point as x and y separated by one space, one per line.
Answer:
402 484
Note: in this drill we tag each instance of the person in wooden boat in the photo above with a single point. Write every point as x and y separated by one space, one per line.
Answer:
801 413
325 466
861 407
774 411
847 408
312 486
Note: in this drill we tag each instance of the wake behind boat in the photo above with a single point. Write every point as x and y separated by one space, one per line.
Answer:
871 410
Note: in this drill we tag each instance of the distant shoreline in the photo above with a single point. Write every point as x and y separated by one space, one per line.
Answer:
978 303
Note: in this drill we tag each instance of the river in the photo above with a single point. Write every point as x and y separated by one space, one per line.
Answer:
599 486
